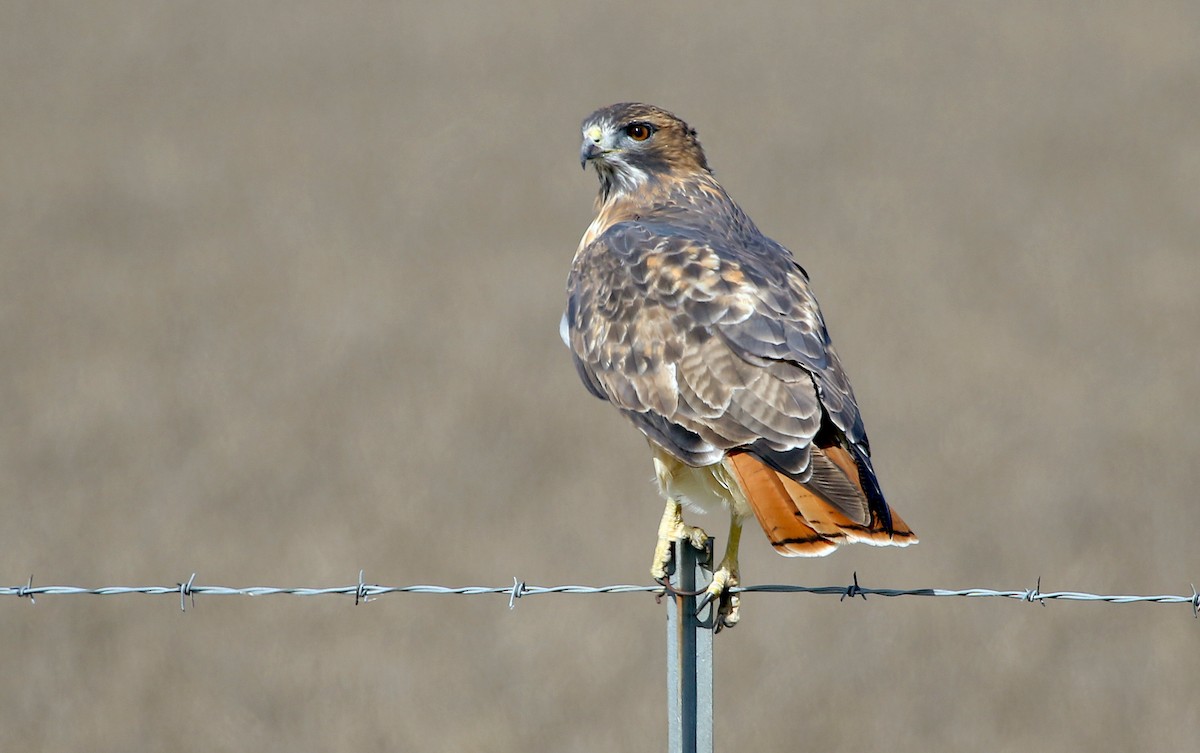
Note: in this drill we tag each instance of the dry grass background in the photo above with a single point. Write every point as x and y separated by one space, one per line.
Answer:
279 298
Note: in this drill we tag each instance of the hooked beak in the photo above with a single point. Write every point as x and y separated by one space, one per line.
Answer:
589 151
591 148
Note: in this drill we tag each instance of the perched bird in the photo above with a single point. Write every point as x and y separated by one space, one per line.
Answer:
703 332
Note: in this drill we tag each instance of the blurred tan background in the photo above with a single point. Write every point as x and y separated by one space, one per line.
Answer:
279 297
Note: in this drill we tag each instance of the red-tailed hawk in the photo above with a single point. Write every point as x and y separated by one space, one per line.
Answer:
703 332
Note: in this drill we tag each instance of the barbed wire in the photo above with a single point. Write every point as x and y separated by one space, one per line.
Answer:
362 591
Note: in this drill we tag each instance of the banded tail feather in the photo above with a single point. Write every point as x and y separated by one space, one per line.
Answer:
814 518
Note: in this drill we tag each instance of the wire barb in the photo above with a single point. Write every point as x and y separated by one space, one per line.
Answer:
853 590
518 590
360 593
25 591
185 590
1035 594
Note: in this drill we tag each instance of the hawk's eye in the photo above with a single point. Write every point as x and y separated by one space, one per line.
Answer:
638 131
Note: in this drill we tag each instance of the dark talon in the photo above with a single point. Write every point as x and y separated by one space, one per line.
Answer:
722 621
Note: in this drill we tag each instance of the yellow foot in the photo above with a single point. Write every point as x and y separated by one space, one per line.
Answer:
728 604
672 529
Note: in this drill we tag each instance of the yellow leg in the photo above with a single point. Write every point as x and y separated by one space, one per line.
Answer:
726 577
672 528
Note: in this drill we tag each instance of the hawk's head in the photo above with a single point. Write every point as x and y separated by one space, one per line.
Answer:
631 143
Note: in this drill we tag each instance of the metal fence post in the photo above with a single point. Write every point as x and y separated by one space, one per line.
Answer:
690 653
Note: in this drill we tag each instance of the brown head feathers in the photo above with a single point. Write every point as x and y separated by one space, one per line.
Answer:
630 143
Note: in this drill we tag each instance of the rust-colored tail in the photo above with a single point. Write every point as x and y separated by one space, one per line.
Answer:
814 518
